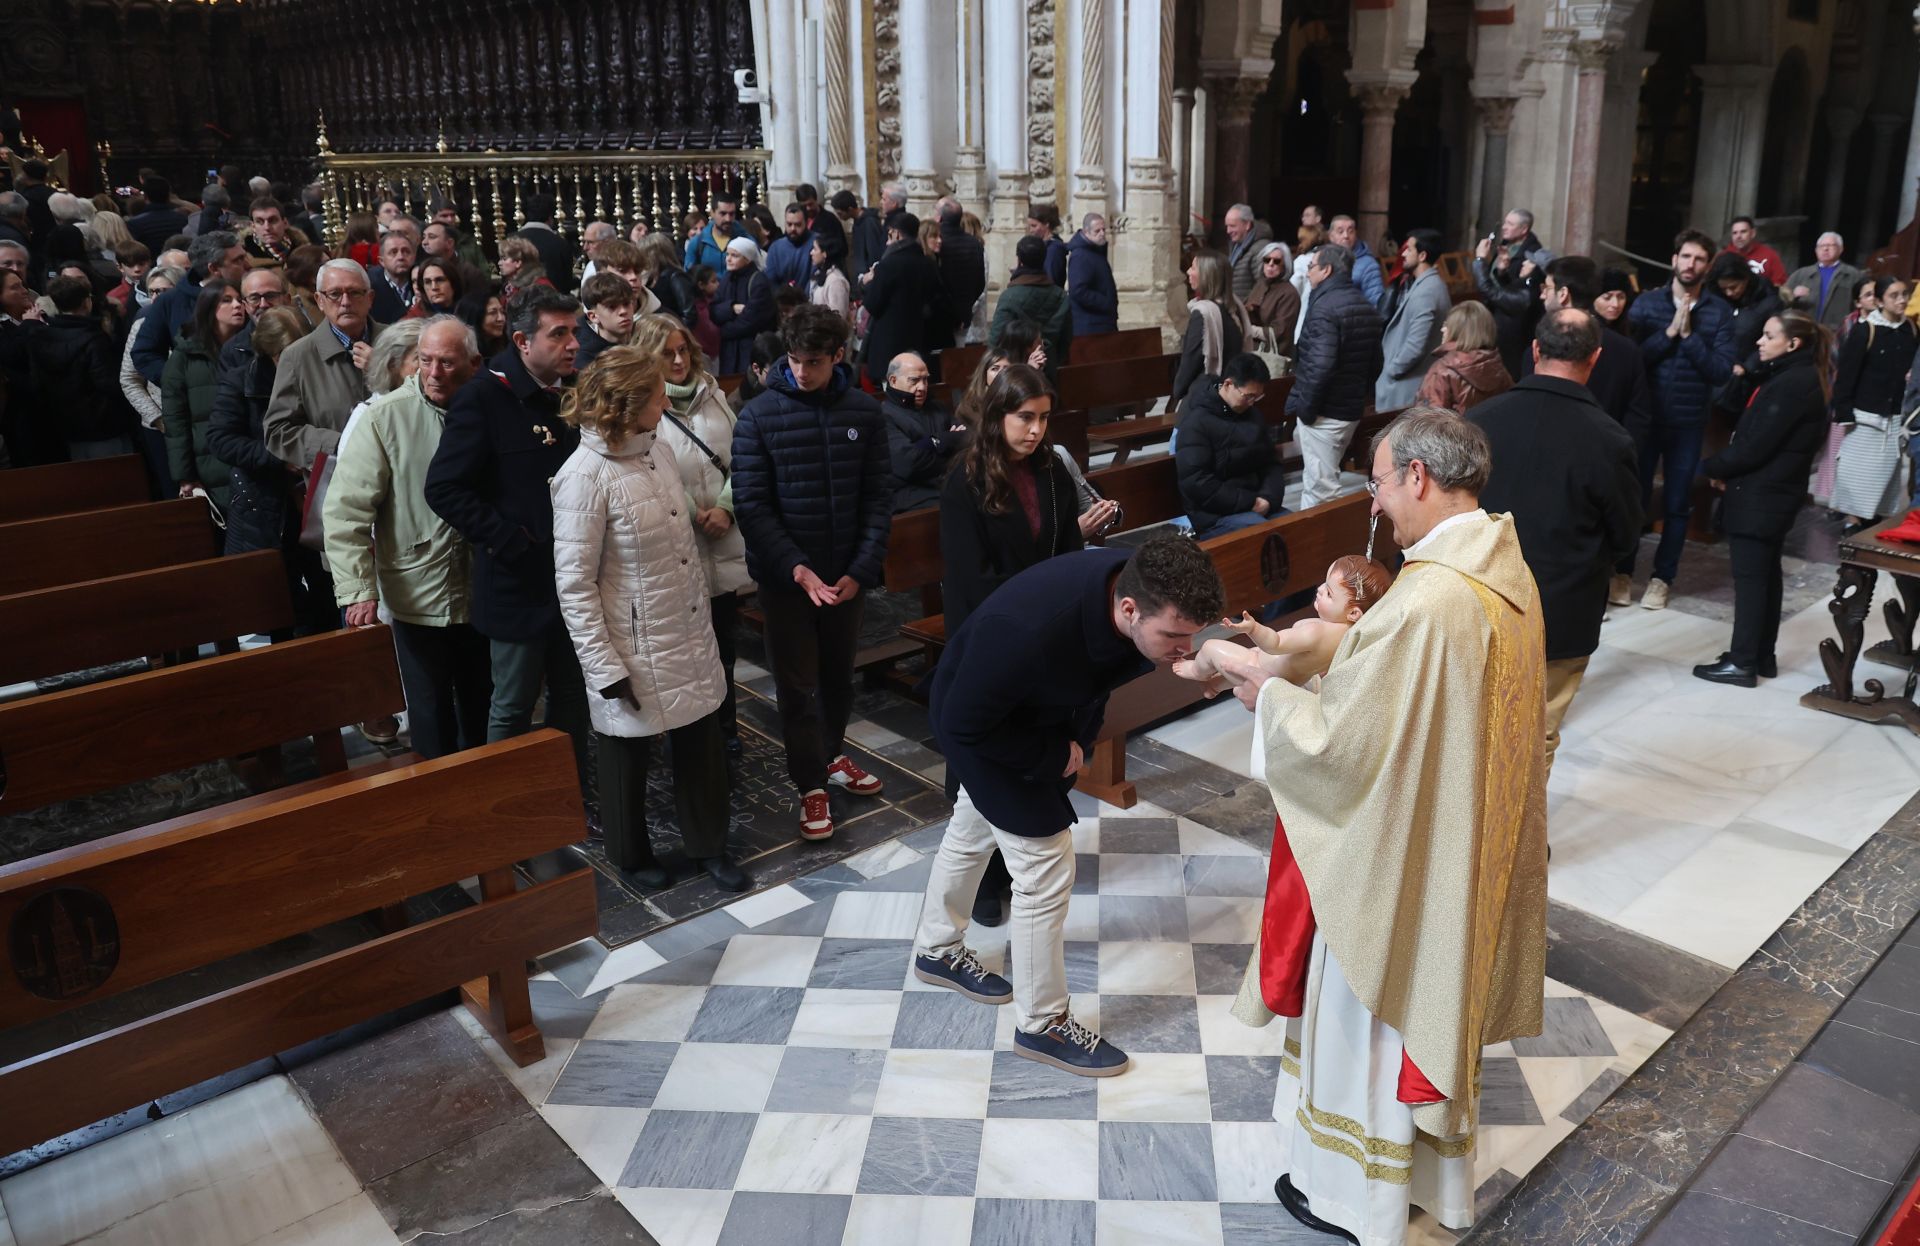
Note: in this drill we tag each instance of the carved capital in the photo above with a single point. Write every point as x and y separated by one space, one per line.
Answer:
1496 112
1234 98
1593 55
1379 99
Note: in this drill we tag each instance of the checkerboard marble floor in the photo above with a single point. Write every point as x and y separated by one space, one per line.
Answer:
788 1080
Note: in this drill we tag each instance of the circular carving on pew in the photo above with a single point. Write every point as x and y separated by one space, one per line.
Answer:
1274 563
64 943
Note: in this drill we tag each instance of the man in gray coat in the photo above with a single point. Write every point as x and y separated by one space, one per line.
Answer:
1413 328
1245 238
1824 290
320 380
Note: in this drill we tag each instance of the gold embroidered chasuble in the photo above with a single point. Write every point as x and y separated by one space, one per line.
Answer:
1413 792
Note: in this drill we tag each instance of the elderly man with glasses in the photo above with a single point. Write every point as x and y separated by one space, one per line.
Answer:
320 379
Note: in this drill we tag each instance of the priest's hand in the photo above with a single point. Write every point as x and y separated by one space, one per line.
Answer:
1076 760
1248 679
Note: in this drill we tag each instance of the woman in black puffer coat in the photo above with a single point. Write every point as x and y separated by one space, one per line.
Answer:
1765 471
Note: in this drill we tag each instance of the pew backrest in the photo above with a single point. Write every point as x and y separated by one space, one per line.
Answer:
1126 382
36 492
115 540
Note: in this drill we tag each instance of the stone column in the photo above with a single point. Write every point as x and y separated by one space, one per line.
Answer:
1733 131
1379 101
1496 120
841 174
1232 101
1873 229
1181 159
1841 123
784 98
916 120
1590 104
1004 94
1144 263
1200 148
1089 165
969 157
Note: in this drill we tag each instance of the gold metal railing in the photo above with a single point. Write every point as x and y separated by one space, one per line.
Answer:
489 188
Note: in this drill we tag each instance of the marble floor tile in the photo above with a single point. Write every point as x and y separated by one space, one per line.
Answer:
1221 734
861 964
1039 1159
830 1017
6 1229
1845 791
606 1073
758 910
1027 1088
1247 1156
1083 968
603 1138
897 1219
936 1083
875 915
882 859
1159 1087
1504 1096
766 960
1225 876
1219 968
1223 919
755 1219
648 1013
719 1077
1154 1023
694 934
943 1020
805 1153
1696 1219
226 1172
1171 1163
1783 1179
519 1167
689 1150
695 968
1156 1224
1627 969
1222 1035
1146 969
533 1081
1818 1113
1125 918
1569 1028
622 964
826 1079
355 1222
921 1155
1267 1223
1241 1087
1140 874
1605 858
1127 836
1024 1221
1083 920
678 1217
1202 841
746 1014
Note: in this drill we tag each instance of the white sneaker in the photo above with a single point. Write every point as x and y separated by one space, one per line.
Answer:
1655 598
1620 591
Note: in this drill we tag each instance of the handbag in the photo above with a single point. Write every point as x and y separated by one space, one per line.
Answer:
1263 344
313 532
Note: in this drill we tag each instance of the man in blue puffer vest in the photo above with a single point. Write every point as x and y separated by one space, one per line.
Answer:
1686 338
814 496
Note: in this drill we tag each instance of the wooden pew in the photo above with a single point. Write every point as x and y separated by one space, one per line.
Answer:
956 363
36 492
1135 382
79 741
91 922
89 545
72 627
1126 436
1257 565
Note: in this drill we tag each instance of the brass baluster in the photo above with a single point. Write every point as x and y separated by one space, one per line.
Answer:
499 207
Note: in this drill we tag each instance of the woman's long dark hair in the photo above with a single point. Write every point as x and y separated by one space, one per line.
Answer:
472 310
986 462
206 308
1815 339
450 269
975 395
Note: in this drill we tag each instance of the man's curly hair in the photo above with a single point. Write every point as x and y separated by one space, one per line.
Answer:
1173 571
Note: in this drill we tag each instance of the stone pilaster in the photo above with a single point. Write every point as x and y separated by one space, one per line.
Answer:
1380 97
841 174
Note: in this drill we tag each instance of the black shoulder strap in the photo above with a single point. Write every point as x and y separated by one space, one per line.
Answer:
695 439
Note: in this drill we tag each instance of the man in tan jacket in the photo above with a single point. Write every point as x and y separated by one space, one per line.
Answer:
385 544
320 379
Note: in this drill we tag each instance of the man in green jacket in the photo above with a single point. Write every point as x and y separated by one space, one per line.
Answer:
385 544
1031 295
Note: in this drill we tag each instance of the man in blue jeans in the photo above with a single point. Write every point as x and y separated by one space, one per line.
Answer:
1229 471
1686 332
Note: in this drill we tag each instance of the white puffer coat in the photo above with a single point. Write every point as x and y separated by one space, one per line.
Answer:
712 421
632 587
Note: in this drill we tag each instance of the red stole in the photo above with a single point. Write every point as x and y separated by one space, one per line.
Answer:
1286 937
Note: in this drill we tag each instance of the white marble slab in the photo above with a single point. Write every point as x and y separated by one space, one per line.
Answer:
1159 1087
766 960
805 1153
603 1138
1039 1159
1137 1223
678 1217
623 963
649 1012
897 1219
719 1077
758 910
875 915
356 1222
935 1083
830 1017
1221 733
882 859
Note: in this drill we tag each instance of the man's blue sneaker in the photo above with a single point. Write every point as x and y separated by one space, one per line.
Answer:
960 970
1066 1044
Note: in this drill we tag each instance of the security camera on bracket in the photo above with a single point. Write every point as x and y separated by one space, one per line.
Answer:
747 85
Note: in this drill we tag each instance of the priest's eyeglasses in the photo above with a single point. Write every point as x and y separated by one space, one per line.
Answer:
1373 482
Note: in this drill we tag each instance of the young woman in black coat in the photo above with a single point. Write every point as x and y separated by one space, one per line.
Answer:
1007 504
1765 471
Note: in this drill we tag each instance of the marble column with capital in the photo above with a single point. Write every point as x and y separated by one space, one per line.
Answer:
1003 46
1379 103
1232 101
969 156
1496 121
841 174
917 173
1733 132
1589 109
1089 163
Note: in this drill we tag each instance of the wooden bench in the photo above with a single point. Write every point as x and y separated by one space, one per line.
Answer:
1257 565
89 545
73 627
1135 383
956 363
79 741
91 922
1126 436
36 492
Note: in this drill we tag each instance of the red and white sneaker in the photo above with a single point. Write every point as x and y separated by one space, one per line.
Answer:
816 816
852 777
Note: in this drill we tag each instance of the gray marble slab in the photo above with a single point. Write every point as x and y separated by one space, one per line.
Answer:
827 1079
1027 1221
599 1219
830 881
1504 1096
1886 1066
1225 876
1593 1096
746 1014
1156 835
560 1012
521 1165
756 1219
1709 1220
1823 1115
943 1021
1244 813
1242 1087
1159 1162
689 1150
1083 967
1150 1022
1568 1028
921 1155
862 964
1137 918
811 920
693 969
1627 970
695 933
1778 1178
1023 1087
1086 873
606 1073
1265 1224
1219 967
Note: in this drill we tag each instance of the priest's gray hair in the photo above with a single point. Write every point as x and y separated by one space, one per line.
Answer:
1454 452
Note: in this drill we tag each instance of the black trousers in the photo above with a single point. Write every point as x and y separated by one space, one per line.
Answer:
448 676
700 792
1757 585
811 650
726 634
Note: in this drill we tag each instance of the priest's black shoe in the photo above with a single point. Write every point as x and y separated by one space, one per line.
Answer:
1769 668
726 875
1727 671
648 877
1296 1204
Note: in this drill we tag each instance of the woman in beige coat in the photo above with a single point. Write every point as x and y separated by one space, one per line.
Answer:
633 591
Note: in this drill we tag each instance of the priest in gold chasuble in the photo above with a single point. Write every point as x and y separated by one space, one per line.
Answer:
1405 921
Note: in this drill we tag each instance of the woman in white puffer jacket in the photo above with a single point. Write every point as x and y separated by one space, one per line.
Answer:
633 591
699 427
